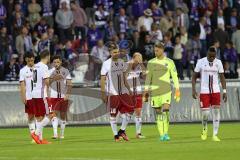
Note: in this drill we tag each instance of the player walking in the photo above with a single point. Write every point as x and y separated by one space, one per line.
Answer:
210 69
26 85
114 88
159 71
60 88
136 70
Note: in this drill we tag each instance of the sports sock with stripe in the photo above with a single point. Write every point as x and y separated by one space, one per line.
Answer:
55 126
138 121
113 123
216 120
205 115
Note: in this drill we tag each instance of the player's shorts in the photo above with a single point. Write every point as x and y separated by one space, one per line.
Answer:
40 107
120 103
158 101
208 100
138 101
57 104
29 107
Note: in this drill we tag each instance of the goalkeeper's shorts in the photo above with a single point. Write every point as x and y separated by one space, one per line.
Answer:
158 101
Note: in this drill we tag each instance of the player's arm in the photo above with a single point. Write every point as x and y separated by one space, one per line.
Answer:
102 83
194 80
148 82
69 89
126 82
223 81
23 91
143 73
174 76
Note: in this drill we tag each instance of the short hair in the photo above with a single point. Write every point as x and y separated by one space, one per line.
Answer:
212 49
159 44
29 55
112 46
56 57
44 54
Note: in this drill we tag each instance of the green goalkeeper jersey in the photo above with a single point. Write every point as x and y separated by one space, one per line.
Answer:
159 73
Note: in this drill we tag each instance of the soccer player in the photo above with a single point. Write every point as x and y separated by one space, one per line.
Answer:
136 70
60 88
210 69
114 89
26 85
159 71
39 95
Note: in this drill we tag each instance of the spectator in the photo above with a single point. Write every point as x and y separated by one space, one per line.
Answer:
138 7
178 56
135 40
200 28
236 40
146 20
23 42
80 20
183 36
166 22
18 23
168 45
3 14
47 11
44 43
11 69
53 39
232 21
101 19
182 19
93 36
41 27
156 34
216 45
220 19
4 45
34 9
208 27
110 31
157 12
64 20
230 56
221 36
147 49
99 54
193 49
121 21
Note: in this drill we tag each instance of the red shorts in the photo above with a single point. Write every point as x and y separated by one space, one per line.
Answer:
57 104
40 107
120 103
208 100
138 101
29 107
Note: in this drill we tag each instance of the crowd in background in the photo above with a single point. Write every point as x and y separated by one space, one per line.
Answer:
76 29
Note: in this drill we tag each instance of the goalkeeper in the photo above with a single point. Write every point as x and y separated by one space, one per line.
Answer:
158 85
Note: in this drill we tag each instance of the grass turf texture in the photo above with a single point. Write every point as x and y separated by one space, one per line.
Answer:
96 143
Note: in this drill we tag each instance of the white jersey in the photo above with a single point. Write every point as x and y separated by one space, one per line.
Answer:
40 73
58 88
26 76
209 75
133 77
114 74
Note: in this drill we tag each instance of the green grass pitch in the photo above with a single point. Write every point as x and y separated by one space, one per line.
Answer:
96 143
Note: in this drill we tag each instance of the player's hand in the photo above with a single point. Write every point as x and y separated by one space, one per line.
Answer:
225 97
145 96
66 97
130 93
57 77
104 98
177 96
24 101
194 94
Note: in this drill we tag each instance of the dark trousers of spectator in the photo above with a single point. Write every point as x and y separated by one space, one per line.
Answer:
80 32
103 32
203 51
179 67
65 34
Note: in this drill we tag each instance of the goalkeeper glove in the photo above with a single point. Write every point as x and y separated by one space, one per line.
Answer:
177 96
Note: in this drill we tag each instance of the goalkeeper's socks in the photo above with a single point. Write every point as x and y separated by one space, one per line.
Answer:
165 121
62 126
160 124
113 124
55 126
138 121
205 115
31 125
216 120
125 120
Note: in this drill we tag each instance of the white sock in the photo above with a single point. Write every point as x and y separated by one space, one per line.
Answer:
125 120
113 123
40 125
216 120
62 126
31 125
205 115
138 121
55 126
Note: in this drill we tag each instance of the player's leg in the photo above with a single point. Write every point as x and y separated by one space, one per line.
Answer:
165 116
63 118
29 109
54 120
205 109
112 106
216 115
138 118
